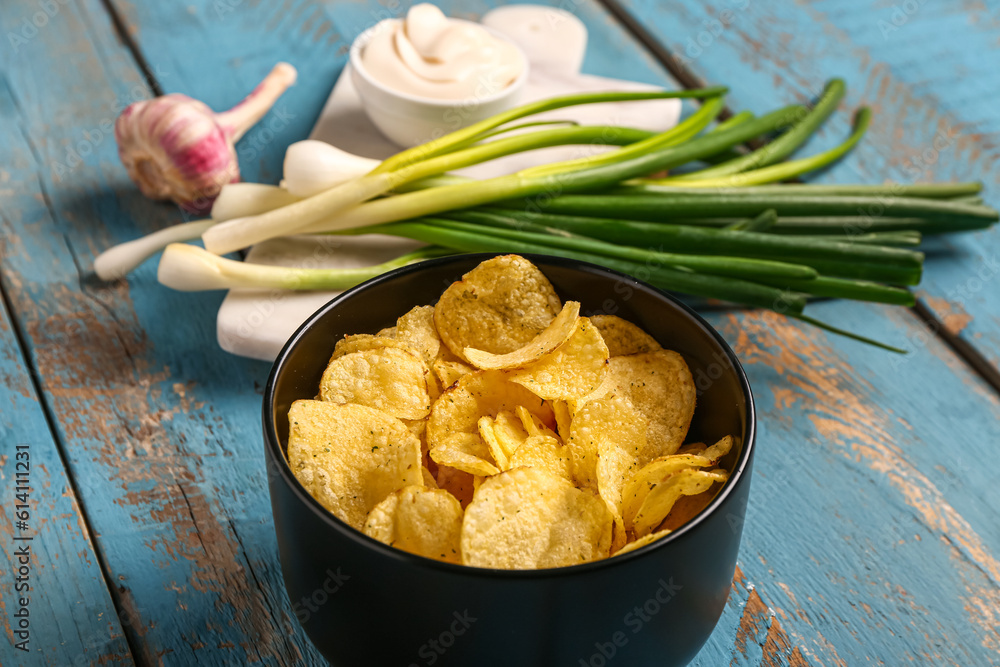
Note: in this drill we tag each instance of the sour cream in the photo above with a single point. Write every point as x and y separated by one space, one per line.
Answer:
430 55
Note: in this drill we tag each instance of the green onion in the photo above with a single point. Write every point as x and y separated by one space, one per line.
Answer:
188 268
679 238
661 204
463 195
734 267
761 223
707 286
449 141
784 170
842 288
784 145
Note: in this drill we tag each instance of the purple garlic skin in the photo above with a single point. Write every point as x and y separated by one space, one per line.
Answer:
175 147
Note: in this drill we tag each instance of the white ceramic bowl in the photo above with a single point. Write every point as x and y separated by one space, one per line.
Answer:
410 120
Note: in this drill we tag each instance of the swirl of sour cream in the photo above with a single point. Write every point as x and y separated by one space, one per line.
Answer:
430 55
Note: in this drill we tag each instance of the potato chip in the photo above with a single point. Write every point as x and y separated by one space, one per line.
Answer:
456 482
529 518
687 508
719 449
611 418
497 450
563 418
545 453
349 457
622 337
660 386
361 342
389 379
465 452
426 522
450 372
692 448
483 393
509 431
497 307
576 368
554 335
618 435
653 473
416 329
662 497
428 478
641 542
532 424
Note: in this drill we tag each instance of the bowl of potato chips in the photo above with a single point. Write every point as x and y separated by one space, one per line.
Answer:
507 460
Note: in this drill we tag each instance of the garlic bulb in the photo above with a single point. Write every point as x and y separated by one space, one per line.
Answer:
175 147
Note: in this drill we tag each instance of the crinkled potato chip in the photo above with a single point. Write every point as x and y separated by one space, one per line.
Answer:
687 508
532 424
349 457
620 447
450 372
563 418
641 542
483 393
360 342
509 431
465 452
554 335
660 386
610 418
529 518
661 498
497 307
719 449
497 450
575 368
622 337
416 329
426 522
456 482
389 379
653 473
545 453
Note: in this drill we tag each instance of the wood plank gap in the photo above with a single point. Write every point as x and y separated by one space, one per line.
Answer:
961 347
50 421
688 79
121 28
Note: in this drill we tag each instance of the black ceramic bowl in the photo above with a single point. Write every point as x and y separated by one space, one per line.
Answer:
364 603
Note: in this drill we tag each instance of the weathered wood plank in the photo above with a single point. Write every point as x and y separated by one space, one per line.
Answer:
160 429
927 70
187 585
160 426
913 493
55 608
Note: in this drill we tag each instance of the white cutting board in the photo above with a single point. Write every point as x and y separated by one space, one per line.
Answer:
256 323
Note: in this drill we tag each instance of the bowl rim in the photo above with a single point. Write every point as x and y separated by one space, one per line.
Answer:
274 450
361 41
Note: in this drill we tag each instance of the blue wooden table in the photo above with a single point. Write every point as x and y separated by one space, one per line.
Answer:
873 533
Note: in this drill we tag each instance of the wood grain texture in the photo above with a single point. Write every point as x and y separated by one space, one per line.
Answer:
928 72
904 490
872 529
72 620
160 428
